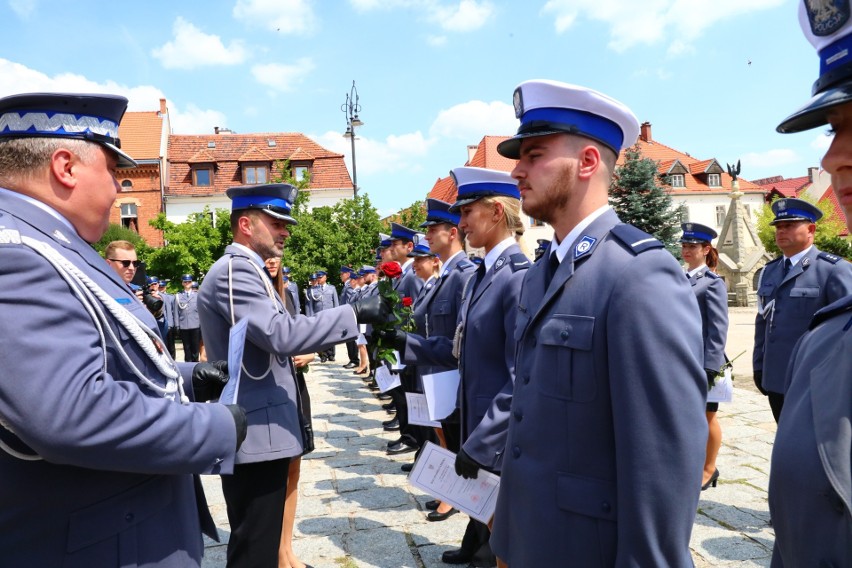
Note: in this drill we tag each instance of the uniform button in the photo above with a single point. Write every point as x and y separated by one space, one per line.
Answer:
516 451
565 333
128 517
518 416
606 507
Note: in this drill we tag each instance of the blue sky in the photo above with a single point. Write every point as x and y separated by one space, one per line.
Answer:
714 77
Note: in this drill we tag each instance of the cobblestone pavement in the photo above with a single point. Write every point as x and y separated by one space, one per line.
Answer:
356 508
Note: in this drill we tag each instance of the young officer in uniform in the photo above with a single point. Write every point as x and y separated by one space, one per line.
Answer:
347 294
98 437
607 431
810 485
186 303
791 289
171 321
292 289
237 287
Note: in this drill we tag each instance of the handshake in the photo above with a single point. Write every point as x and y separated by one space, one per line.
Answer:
208 381
372 310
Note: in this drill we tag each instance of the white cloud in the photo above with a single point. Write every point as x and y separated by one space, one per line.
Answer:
23 8
770 158
403 152
294 17
472 120
281 77
652 21
436 41
191 48
466 16
194 120
822 141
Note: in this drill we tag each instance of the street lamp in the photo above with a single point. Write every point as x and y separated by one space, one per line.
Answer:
351 108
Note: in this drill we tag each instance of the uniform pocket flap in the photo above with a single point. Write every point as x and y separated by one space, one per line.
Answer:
118 513
805 292
586 496
574 332
441 307
262 398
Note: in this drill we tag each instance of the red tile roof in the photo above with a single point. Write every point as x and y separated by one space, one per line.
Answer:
327 169
486 156
838 211
140 134
790 187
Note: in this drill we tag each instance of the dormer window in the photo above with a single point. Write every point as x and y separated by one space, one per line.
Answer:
202 176
677 180
255 173
714 180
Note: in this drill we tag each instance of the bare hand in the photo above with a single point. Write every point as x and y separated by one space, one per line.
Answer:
302 360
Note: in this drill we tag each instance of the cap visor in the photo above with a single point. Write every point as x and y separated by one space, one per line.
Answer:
282 216
785 219
813 113
456 207
124 161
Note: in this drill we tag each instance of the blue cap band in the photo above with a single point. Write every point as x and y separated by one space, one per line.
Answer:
445 216
781 215
581 122
485 189
697 235
247 201
835 55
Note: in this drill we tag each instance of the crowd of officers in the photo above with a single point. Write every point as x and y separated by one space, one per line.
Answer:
583 376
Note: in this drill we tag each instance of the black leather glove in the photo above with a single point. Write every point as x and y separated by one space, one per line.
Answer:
711 377
466 466
758 382
208 380
240 422
374 309
395 337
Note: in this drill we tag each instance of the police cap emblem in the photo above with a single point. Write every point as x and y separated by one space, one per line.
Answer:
827 16
518 102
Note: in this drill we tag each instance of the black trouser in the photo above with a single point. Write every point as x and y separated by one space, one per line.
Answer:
191 339
352 352
255 496
451 425
170 341
476 542
776 402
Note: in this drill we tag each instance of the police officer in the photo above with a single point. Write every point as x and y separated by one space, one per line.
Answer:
98 437
186 304
153 284
171 321
236 288
791 289
607 431
347 294
322 296
810 487
292 289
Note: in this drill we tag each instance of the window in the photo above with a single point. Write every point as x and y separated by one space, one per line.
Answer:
202 177
536 223
676 180
714 180
300 173
126 185
720 215
254 174
129 220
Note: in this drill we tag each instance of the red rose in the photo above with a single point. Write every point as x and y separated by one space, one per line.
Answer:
391 269
407 301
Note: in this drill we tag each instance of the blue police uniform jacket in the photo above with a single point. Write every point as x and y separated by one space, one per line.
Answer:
712 296
817 280
293 290
810 485
346 294
169 308
319 298
186 308
607 432
268 389
408 285
486 356
115 485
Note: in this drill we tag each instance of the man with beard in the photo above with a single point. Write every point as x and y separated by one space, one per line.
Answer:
607 433
238 287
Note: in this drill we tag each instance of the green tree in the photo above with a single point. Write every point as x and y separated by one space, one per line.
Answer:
192 246
118 233
639 199
827 234
412 216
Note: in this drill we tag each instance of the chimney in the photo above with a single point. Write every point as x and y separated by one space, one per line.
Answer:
471 150
215 130
645 132
812 174
163 110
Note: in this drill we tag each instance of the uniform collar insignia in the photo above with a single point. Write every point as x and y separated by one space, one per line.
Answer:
584 246
499 263
805 261
57 234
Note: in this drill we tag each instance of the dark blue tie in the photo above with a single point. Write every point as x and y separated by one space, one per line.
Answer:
552 267
787 266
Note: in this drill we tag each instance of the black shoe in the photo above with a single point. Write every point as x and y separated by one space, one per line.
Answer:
383 396
350 365
436 516
712 481
432 505
373 386
456 556
323 359
395 442
331 358
401 448
389 406
407 467
391 425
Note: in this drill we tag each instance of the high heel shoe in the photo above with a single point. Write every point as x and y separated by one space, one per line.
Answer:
712 481
359 371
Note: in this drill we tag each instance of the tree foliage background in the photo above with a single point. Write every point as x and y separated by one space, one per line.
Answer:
640 199
827 229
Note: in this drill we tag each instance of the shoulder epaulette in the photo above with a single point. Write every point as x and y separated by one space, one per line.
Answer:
520 261
774 260
464 264
711 275
636 240
9 233
832 258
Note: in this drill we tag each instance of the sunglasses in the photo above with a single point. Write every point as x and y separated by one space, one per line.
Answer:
127 263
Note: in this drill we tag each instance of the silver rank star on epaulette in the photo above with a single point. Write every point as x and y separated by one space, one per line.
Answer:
10 236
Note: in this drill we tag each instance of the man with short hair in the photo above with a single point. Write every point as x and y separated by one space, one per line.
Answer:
121 256
237 287
171 321
322 296
347 294
791 289
99 439
607 434
186 303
